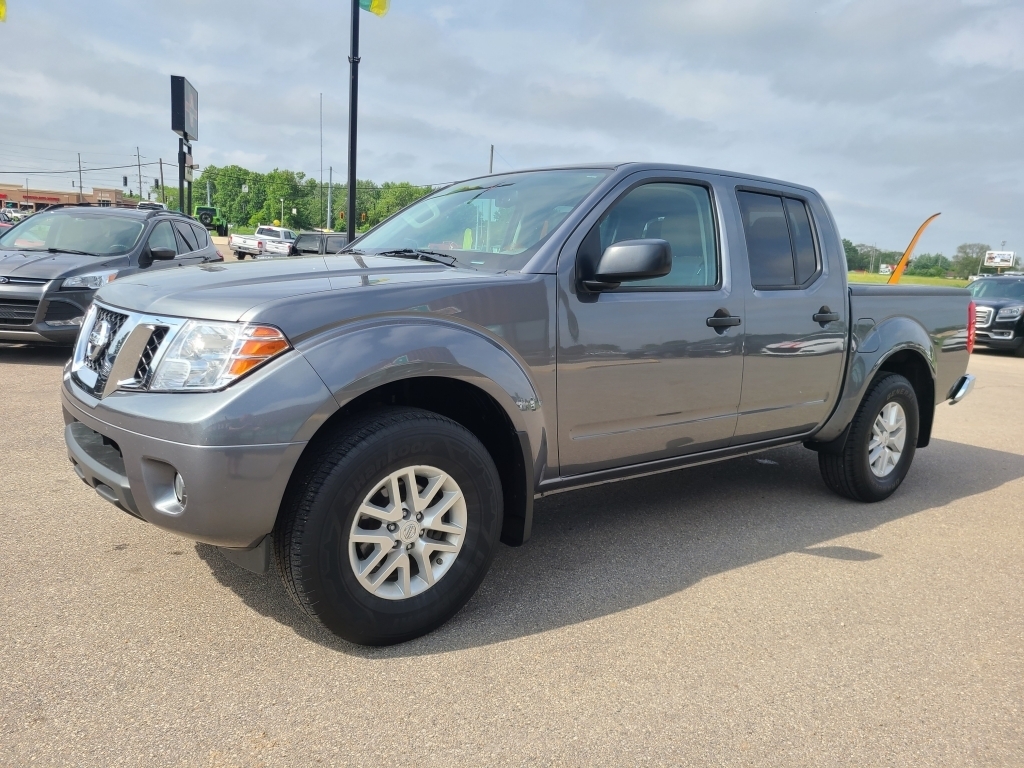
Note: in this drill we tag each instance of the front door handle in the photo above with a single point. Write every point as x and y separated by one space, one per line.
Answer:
824 316
722 320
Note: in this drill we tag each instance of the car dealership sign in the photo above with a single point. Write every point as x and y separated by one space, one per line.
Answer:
1000 259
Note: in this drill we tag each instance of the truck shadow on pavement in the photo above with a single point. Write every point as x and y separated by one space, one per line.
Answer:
611 548
25 354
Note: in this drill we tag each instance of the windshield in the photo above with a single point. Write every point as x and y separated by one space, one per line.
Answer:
998 289
497 222
64 231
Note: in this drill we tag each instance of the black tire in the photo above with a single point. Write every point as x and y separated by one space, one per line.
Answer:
206 219
311 539
849 473
240 256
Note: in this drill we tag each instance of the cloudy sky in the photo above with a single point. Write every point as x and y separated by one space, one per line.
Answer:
893 110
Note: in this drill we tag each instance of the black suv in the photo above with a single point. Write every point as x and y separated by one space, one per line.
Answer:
52 263
999 312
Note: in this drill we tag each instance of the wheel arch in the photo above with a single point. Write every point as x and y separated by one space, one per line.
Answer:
911 363
450 369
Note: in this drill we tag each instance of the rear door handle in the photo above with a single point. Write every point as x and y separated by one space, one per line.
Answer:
722 319
824 316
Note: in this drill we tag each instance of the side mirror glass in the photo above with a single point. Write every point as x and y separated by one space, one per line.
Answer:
631 260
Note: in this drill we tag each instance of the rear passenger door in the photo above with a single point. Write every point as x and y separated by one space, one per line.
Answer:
795 315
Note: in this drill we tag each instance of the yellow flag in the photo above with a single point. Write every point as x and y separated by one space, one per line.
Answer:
379 7
3 10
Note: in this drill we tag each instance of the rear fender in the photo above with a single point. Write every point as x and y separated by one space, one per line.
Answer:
874 347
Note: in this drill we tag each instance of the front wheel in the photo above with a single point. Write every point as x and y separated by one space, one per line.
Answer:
880 447
391 527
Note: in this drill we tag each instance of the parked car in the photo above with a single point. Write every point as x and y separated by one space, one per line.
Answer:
311 243
52 263
6 221
375 421
151 205
1000 312
210 217
255 245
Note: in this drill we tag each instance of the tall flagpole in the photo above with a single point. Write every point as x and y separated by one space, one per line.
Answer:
353 106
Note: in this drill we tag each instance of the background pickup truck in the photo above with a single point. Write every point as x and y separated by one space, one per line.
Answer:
377 421
312 243
276 239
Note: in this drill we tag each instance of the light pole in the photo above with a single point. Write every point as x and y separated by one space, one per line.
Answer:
282 211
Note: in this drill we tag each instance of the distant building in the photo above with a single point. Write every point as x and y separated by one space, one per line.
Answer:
16 196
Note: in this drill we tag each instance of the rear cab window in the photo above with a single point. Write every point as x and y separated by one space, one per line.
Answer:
781 244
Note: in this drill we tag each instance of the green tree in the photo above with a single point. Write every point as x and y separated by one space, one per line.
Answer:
968 258
392 198
855 260
929 265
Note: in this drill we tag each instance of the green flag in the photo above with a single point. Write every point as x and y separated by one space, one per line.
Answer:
379 7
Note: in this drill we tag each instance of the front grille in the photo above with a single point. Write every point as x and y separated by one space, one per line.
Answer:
144 370
982 317
18 311
102 362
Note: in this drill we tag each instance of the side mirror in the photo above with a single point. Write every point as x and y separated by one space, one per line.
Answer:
631 260
163 254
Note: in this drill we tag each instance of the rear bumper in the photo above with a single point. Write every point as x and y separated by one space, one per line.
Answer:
232 493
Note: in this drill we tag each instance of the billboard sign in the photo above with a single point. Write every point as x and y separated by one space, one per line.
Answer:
184 108
1000 259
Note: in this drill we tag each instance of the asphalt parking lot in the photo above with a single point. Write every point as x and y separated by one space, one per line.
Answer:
732 614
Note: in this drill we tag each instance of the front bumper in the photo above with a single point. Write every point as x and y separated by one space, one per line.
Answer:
999 338
232 493
41 314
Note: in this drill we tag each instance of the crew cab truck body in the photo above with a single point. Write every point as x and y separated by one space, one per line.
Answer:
376 421
256 245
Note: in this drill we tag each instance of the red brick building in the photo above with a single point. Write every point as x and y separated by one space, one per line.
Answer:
16 196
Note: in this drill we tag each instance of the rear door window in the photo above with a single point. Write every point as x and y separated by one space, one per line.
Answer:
336 243
780 240
188 236
202 238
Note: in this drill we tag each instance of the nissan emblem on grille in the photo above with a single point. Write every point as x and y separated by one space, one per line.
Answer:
98 340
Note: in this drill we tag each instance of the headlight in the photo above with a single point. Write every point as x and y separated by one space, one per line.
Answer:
92 280
1009 313
205 355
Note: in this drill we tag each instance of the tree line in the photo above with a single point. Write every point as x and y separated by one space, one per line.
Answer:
247 198
965 262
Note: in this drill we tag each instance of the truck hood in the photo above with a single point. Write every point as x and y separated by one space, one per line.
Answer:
229 291
49 266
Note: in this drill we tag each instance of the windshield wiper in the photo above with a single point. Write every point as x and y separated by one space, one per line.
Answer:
69 250
416 253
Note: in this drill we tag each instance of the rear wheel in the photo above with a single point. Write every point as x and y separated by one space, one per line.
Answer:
391 527
239 256
880 447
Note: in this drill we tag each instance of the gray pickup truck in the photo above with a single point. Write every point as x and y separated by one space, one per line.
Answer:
375 422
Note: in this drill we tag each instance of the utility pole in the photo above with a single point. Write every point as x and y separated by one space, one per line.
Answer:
330 194
138 159
79 177
282 211
491 167
353 106
321 161
163 189
181 175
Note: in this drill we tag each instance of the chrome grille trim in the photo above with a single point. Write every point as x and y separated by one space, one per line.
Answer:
148 333
982 317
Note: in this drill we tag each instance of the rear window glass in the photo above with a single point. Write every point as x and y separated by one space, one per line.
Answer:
188 236
780 240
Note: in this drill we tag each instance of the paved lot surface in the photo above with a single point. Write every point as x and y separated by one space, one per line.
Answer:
735 614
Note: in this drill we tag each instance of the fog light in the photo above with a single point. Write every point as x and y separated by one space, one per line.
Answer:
179 489
75 321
